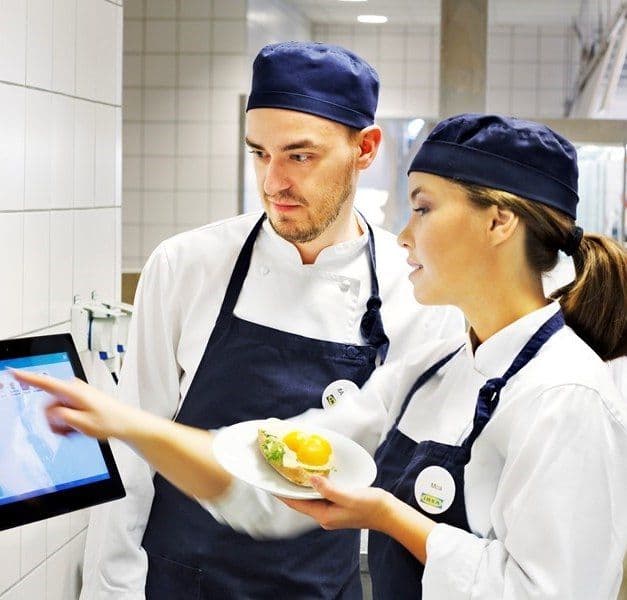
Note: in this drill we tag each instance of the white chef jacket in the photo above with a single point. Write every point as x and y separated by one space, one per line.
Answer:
177 303
546 486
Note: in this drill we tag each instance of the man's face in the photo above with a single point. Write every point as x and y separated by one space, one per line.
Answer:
305 168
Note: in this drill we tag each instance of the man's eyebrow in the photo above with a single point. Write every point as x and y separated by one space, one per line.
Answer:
303 144
252 144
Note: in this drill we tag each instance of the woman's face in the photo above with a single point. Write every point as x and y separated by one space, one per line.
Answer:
446 242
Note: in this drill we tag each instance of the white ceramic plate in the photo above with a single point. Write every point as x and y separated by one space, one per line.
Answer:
235 448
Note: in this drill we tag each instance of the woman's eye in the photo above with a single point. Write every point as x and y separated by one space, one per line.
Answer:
256 153
421 210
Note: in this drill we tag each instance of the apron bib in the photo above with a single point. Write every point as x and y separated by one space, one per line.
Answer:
429 476
249 371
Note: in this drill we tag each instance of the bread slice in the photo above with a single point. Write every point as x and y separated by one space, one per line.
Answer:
274 450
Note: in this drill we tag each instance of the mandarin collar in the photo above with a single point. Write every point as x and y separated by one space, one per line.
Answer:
494 356
337 252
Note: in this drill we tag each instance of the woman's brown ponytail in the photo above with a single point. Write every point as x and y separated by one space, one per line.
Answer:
595 303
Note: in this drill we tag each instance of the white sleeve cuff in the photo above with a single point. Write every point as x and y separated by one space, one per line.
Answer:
256 513
453 558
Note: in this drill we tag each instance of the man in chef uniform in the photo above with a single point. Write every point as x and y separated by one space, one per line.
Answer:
262 315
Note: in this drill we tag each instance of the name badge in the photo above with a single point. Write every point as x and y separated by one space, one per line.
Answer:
335 390
434 490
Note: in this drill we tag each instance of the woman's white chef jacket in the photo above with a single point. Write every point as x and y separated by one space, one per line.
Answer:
546 487
176 306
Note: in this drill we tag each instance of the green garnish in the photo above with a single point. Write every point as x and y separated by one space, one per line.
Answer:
273 449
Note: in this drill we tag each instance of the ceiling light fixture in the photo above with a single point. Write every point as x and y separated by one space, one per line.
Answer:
372 19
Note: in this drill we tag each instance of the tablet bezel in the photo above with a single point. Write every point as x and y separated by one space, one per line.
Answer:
58 502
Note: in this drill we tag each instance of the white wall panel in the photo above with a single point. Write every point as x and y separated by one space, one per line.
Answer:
12 136
33 546
61 264
84 153
105 156
57 533
38 150
64 46
11 244
62 150
87 61
32 587
13 40
10 571
106 51
39 44
36 298
94 252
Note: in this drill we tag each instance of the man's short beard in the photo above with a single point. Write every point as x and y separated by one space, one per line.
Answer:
332 205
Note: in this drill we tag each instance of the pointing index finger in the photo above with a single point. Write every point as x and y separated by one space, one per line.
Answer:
56 387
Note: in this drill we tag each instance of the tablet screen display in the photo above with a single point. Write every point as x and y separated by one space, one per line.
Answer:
43 473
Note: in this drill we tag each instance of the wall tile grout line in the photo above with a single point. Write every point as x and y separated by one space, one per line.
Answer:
72 96
61 209
40 329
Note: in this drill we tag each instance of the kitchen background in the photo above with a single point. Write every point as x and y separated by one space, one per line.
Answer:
120 125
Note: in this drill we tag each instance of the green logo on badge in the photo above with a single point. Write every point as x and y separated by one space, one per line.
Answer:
331 399
431 500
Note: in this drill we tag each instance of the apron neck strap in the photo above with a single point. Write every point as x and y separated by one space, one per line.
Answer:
490 393
428 374
371 326
240 270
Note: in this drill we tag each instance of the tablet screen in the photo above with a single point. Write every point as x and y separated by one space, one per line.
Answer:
43 473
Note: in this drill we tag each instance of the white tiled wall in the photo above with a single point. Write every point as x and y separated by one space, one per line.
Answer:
530 69
407 59
271 21
60 216
186 64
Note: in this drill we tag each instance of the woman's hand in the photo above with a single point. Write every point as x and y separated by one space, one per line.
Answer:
366 508
369 508
78 406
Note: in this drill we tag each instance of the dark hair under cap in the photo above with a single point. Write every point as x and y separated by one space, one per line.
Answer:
319 79
522 157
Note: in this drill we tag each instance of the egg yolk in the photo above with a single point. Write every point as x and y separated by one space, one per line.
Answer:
314 450
294 439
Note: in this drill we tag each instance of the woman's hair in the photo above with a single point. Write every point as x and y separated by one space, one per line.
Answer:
595 303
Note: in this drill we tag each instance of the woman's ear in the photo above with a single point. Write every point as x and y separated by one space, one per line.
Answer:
503 224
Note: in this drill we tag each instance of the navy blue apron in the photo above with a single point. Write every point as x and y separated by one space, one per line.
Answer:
395 572
249 371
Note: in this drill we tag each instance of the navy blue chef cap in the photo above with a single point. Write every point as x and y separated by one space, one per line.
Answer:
320 79
522 157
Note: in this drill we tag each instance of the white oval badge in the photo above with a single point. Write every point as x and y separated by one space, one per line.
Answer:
434 490
335 390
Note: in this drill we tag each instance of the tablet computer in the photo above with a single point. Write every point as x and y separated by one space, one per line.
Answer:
43 474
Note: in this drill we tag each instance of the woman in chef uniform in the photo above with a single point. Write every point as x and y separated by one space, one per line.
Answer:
503 469
505 457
